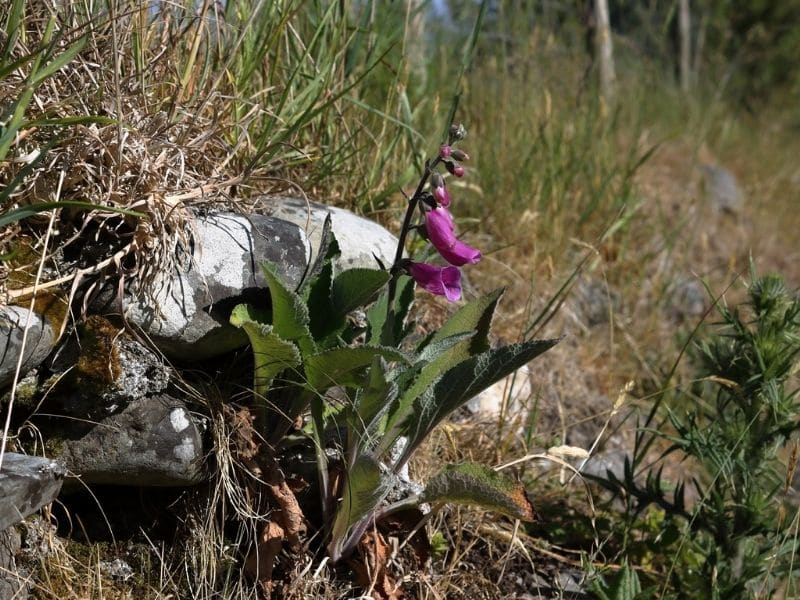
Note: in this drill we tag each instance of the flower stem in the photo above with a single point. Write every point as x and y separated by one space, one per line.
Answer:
387 334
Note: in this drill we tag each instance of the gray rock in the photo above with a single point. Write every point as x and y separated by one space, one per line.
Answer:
600 464
116 569
14 578
38 344
722 189
26 484
138 371
154 441
595 302
187 312
360 240
686 299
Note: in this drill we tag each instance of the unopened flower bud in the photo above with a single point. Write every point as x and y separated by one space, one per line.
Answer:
439 190
457 133
454 169
442 196
445 151
459 155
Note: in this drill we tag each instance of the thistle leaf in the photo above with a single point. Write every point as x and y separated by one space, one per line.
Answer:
478 485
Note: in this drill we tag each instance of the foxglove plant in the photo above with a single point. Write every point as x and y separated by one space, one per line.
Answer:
439 228
397 393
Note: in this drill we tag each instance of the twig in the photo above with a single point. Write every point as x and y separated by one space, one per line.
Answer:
32 290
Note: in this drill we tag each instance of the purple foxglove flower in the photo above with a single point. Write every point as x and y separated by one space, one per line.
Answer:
445 151
441 233
442 281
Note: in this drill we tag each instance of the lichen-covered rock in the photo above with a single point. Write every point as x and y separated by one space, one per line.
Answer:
360 240
154 441
38 343
26 484
186 313
105 370
14 580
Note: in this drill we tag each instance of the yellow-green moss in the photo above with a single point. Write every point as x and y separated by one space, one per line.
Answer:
54 446
99 359
25 396
51 304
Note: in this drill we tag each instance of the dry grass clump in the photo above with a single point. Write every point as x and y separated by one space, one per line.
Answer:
162 108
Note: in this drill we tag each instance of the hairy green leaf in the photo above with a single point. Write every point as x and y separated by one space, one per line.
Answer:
290 318
356 287
365 488
328 251
458 385
376 314
345 366
373 401
271 354
476 317
323 321
478 485
471 321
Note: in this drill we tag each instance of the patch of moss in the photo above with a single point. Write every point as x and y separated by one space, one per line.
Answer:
27 394
99 359
54 446
50 303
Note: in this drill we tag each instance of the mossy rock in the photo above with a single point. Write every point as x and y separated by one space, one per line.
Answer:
98 362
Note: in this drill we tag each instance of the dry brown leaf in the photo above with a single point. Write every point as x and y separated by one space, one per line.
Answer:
372 572
261 560
289 512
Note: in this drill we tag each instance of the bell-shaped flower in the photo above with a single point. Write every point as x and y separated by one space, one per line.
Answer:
441 233
442 281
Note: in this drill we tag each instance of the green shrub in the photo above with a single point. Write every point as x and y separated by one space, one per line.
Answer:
734 429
